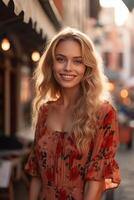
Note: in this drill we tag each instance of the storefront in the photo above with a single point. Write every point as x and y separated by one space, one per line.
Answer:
19 42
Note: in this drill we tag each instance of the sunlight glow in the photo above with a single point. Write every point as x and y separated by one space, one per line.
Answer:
121 11
108 3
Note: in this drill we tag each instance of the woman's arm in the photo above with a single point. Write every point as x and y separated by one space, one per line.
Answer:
35 187
93 190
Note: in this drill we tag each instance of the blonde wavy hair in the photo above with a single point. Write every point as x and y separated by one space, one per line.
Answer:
93 91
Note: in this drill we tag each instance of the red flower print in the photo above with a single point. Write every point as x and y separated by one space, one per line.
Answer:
62 195
74 173
108 154
42 131
108 171
50 174
63 170
108 141
108 118
73 155
91 171
32 163
59 148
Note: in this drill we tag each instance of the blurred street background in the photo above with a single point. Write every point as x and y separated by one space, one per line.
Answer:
26 26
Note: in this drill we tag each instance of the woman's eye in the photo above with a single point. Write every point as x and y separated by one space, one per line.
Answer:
78 62
59 59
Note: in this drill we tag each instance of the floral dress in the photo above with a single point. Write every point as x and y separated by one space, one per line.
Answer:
62 169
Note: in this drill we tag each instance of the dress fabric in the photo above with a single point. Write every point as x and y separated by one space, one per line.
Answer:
62 169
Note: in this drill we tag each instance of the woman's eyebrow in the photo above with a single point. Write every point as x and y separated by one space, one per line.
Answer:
78 57
59 54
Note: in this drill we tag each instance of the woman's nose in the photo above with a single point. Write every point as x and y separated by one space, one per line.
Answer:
68 65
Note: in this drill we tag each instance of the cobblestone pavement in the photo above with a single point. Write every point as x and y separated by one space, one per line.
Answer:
126 162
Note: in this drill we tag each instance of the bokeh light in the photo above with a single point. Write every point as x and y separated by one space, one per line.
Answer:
5 44
35 56
124 93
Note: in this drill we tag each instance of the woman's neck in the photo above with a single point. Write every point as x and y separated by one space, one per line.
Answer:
69 97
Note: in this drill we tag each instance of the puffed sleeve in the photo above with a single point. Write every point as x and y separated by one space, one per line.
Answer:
31 166
102 164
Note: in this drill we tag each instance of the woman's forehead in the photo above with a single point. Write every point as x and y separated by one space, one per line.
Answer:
69 47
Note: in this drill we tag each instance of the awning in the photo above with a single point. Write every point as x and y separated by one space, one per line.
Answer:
34 11
129 4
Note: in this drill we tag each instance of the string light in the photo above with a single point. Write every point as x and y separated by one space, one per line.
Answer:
5 44
35 56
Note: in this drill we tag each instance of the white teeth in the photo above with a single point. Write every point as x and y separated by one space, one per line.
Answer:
67 77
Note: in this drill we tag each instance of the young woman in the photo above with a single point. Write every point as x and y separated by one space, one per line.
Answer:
76 134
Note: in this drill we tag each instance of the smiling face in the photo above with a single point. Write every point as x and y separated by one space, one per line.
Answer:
68 67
